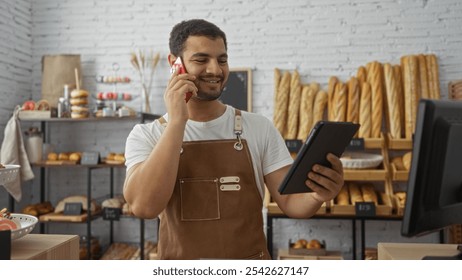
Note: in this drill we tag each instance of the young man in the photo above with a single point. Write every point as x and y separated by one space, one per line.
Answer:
203 166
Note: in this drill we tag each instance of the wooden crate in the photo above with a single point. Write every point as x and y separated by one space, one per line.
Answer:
383 209
398 175
399 144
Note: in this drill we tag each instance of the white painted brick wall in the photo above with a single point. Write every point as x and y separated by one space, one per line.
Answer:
319 38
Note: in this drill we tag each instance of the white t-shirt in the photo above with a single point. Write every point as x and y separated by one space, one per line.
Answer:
266 146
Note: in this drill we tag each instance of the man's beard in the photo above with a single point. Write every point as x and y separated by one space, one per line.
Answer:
206 94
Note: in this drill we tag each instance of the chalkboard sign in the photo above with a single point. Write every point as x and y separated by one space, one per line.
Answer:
72 208
238 89
112 214
365 209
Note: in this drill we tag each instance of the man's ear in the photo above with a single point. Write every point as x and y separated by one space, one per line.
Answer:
171 59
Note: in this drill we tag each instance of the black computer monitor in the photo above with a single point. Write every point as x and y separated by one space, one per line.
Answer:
434 191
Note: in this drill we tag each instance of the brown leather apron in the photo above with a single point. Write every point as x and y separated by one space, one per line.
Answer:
215 211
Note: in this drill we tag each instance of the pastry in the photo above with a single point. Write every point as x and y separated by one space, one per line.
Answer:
52 156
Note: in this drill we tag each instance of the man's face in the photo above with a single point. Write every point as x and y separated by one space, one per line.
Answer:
207 59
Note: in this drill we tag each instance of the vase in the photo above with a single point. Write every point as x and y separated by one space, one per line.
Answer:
145 95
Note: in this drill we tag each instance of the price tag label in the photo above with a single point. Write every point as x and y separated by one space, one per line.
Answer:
90 158
365 209
356 144
72 208
111 214
294 145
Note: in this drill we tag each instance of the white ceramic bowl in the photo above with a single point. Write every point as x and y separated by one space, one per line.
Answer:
357 160
27 223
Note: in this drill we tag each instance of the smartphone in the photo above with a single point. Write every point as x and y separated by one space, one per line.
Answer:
178 65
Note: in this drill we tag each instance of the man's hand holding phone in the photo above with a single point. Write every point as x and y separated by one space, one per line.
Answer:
179 68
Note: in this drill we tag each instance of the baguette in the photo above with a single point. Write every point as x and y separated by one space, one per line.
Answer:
365 111
320 103
331 93
394 118
315 87
369 194
355 193
343 197
306 112
294 106
353 101
340 102
423 75
280 112
433 76
400 93
277 81
361 75
375 79
411 92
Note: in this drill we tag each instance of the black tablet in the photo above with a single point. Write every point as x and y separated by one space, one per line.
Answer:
325 137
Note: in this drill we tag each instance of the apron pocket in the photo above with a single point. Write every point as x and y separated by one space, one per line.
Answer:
199 199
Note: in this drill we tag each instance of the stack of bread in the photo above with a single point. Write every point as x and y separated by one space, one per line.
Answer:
352 193
380 93
79 104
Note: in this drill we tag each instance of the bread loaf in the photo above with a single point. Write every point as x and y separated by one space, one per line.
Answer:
75 199
369 194
330 94
315 87
355 193
340 102
398 163
361 75
320 104
374 77
394 119
423 77
407 159
385 198
343 198
281 106
294 106
400 92
306 112
353 101
433 76
365 111
277 80
409 65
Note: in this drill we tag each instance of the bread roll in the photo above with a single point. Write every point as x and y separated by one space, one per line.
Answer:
407 159
340 102
52 156
74 157
306 112
330 94
365 108
394 119
374 77
63 156
385 198
320 104
280 113
294 106
353 101
119 157
423 77
314 244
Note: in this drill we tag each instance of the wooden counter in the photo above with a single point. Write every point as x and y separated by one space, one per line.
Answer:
45 247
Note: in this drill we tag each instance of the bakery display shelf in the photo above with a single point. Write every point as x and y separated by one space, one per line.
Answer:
374 143
398 144
89 119
364 174
76 165
59 217
273 208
